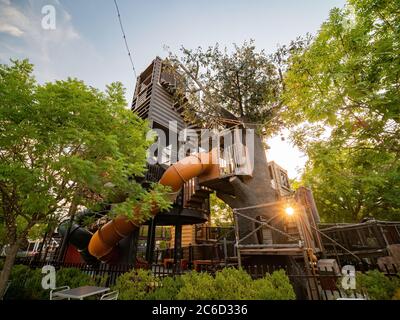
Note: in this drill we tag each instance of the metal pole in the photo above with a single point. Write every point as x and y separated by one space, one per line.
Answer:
48 245
313 287
265 224
237 238
225 250
384 236
151 234
38 257
178 243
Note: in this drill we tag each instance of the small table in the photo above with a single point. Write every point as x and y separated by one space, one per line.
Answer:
81 292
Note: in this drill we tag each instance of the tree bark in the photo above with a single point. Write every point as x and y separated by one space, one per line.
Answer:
8 265
253 191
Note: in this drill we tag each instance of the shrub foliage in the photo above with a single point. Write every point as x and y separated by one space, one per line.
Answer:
228 284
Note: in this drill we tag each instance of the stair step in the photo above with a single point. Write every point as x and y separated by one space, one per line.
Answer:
204 192
196 199
196 205
190 207
199 197
219 184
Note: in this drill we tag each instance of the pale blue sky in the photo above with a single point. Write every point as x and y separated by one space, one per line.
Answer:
88 44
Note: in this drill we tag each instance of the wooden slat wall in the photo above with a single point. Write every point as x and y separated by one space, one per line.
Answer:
161 110
159 104
281 190
188 236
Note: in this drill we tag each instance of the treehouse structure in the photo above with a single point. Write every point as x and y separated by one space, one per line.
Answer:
192 238
153 101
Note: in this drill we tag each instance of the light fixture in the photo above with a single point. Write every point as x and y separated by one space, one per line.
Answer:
289 211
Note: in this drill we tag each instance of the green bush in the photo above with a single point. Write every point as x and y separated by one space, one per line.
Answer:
377 285
397 294
73 278
136 285
233 284
197 286
168 289
228 284
26 283
273 287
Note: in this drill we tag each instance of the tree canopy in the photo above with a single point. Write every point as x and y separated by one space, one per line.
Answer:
242 84
342 98
349 185
62 145
221 214
65 142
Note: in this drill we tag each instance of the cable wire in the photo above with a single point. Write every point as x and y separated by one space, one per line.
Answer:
124 36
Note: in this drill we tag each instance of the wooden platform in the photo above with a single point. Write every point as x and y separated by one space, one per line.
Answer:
219 184
272 251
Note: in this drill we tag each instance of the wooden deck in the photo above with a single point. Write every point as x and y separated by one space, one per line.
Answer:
272 251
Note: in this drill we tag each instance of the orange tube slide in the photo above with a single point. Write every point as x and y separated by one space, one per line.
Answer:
105 239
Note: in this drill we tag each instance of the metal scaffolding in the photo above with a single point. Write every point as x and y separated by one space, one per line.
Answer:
301 243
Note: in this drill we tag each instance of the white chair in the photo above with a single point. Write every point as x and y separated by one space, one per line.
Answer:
59 289
113 295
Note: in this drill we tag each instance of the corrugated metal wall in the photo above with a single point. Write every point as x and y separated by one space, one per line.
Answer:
161 104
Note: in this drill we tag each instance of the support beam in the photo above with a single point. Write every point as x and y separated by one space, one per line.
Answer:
151 236
178 244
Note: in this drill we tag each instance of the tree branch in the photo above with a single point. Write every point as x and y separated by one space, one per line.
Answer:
239 94
228 199
242 191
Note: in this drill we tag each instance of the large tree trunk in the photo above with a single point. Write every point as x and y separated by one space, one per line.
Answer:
8 265
253 191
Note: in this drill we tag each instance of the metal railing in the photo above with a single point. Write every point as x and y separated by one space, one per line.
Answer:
154 172
192 188
205 233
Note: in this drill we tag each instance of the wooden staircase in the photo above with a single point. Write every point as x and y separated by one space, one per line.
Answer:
195 196
220 184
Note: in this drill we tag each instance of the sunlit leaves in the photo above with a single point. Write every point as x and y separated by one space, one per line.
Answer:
346 82
350 184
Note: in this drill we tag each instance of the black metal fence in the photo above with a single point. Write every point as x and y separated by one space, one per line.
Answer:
100 271
324 284
321 284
